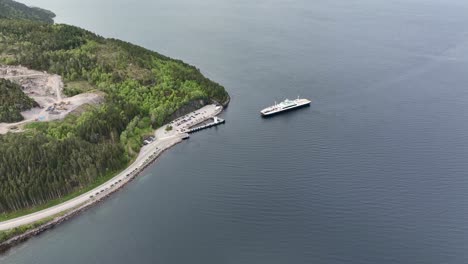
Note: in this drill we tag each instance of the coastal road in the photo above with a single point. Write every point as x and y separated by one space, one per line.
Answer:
70 204
164 140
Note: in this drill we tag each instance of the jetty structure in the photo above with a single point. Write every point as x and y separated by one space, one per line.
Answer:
164 138
216 121
284 106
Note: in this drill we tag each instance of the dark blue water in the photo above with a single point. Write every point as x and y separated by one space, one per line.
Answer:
375 171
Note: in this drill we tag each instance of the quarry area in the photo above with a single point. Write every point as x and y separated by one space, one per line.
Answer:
47 90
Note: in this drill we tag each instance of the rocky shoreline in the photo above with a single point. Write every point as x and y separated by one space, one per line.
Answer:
66 215
18 239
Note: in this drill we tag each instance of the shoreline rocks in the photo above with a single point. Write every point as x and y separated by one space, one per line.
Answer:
18 239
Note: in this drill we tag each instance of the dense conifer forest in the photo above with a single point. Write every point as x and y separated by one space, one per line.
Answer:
143 88
13 101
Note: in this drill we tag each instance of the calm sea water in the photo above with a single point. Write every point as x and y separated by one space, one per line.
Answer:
375 171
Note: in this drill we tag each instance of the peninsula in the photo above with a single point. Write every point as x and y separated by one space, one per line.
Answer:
109 96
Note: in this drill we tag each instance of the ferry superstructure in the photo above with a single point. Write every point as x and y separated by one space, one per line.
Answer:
286 105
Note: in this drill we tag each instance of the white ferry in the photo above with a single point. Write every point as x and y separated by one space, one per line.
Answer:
286 105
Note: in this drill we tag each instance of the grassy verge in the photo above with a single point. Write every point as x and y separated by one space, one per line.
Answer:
5 235
133 146
99 181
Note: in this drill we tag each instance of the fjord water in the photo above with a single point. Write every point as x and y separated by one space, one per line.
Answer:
375 171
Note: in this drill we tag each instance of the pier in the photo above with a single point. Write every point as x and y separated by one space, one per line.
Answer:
216 121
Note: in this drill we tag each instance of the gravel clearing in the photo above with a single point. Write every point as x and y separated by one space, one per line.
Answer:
47 90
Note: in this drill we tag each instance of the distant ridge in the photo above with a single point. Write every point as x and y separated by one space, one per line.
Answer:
13 10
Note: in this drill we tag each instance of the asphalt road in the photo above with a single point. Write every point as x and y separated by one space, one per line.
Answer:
164 139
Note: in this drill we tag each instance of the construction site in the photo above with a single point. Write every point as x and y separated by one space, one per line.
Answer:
47 90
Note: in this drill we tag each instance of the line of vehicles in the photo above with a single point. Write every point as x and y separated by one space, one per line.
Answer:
191 119
283 106
131 174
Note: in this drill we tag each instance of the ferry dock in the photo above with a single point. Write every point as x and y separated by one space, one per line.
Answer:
216 121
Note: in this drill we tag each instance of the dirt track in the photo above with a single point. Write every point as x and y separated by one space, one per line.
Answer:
47 90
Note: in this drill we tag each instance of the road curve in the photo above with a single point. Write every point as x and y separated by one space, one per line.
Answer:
164 140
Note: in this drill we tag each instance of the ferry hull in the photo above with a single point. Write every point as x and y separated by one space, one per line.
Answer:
285 110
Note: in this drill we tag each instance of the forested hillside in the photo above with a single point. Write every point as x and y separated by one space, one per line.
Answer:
13 101
15 10
143 89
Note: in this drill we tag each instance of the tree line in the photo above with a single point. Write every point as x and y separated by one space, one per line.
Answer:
143 88
13 101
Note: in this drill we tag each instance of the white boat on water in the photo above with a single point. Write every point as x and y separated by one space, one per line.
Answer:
286 105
